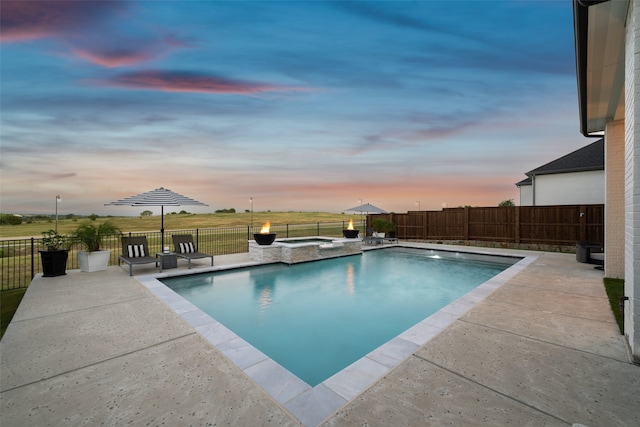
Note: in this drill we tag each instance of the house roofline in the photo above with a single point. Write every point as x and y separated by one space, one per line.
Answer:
567 170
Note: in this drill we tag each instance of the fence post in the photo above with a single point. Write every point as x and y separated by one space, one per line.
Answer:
33 270
466 223
318 233
516 225
425 226
287 230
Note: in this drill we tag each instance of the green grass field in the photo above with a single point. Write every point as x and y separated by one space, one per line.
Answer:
176 222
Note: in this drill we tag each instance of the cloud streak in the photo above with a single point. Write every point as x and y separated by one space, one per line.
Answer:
114 58
31 20
181 81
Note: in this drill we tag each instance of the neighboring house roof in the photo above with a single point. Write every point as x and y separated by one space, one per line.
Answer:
526 181
588 158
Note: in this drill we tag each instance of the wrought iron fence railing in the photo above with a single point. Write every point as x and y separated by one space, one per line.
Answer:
20 258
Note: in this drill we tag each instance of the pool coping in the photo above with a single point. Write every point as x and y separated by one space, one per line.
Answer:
311 405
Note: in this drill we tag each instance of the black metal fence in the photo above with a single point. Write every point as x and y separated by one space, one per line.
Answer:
20 258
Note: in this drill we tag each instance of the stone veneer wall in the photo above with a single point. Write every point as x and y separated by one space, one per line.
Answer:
265 254
304 252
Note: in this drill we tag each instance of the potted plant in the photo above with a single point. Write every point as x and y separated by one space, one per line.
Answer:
54 258
92 237
382 225
392 230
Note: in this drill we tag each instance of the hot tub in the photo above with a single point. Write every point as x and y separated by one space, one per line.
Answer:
302 249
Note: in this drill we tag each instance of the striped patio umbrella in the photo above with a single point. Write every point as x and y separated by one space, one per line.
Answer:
159 197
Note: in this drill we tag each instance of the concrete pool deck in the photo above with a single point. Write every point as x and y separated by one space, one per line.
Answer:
100 348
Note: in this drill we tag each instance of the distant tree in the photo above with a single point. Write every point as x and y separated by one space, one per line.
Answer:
231 210
10 219
183 212
506 203
247 211
93 217
146 213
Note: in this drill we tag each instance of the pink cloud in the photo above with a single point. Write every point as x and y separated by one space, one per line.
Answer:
121 51
114 58
30 20
394 194
191 82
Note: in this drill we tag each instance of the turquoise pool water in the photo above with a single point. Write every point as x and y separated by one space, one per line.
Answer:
316 318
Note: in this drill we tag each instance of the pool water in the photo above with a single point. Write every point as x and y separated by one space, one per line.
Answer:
317 318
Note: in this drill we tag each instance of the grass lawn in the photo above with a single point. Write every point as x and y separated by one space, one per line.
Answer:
9 301
615 290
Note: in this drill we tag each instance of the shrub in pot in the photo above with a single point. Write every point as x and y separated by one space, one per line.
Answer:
92 236
392 230
382 226
54 258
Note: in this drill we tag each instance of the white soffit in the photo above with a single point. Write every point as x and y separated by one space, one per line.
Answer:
605 63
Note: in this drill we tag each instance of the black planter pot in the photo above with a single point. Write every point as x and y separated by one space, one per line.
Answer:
350 234
264 239
54 263
392 234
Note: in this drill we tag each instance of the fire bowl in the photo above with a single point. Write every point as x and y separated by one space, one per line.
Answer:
350 234
264 239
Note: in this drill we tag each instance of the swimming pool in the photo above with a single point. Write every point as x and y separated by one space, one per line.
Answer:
317 318
310 405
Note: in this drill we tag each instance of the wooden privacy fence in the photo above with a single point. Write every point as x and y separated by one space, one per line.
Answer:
551 225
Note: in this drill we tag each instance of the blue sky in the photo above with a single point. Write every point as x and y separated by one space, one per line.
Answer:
302 105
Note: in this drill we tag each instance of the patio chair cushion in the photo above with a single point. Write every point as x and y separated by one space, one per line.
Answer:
187 248
135 251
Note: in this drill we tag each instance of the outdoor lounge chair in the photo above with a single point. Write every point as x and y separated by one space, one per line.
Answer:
135 250
185 248
371 238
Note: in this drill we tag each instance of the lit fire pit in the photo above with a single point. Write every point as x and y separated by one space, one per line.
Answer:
265 237
350 232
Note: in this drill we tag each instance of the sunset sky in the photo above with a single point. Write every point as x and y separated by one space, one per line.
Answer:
302 105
